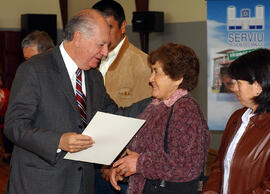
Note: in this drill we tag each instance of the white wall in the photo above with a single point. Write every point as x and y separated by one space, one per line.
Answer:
11 10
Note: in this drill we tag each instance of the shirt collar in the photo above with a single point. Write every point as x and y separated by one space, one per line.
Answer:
247 115
70 64
115 51
172 99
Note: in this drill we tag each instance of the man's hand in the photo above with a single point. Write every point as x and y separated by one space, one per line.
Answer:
73 142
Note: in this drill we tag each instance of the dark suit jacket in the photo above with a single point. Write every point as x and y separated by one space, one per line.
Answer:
42 107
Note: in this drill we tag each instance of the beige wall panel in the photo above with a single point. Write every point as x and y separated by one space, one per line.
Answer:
180 10
11 10
175 10
75 5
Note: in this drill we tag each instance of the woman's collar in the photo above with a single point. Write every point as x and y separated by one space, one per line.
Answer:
172 99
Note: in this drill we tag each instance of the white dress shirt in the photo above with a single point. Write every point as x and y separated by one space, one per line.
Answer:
72 68
107 61
231 149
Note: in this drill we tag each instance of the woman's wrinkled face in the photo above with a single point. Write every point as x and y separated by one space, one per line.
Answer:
162 85
246 92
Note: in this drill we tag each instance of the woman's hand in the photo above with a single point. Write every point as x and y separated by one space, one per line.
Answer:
106 172
127 166
114 177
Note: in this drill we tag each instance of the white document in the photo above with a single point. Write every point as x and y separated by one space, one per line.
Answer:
111 134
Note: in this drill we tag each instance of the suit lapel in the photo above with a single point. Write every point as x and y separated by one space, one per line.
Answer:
63 81
89 94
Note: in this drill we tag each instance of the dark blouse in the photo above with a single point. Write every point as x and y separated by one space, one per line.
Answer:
188 141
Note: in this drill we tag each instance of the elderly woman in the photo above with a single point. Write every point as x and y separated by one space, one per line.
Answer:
169 151
243 163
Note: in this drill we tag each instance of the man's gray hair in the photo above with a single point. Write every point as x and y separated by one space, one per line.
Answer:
40 39
82 23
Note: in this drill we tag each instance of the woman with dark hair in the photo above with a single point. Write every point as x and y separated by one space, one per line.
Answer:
243 162
168 153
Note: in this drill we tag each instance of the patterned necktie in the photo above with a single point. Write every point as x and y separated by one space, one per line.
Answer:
81 98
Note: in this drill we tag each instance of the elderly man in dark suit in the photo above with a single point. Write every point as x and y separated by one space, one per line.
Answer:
54 95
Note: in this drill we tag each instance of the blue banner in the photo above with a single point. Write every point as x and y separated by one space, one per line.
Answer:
234 27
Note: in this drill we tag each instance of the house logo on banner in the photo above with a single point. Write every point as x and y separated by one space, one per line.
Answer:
245 23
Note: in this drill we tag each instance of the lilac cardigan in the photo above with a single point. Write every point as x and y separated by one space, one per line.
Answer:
188 141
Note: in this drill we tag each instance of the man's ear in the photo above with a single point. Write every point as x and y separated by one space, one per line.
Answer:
77 38
123 27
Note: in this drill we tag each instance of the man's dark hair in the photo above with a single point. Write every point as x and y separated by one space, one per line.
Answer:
254 67
111 8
